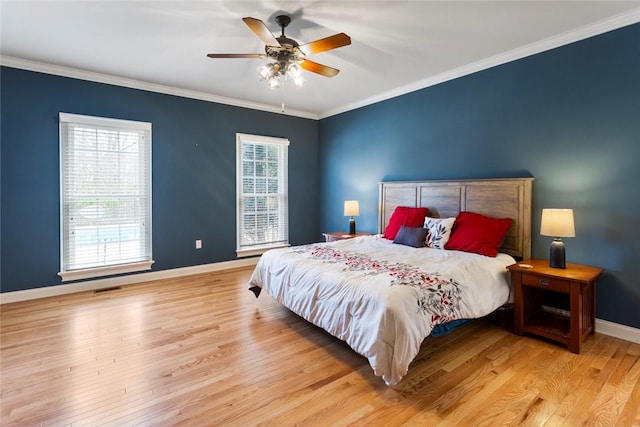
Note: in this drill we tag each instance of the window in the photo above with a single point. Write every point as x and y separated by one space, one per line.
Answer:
105 196
262 187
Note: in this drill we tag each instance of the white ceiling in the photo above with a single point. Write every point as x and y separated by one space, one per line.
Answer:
397 46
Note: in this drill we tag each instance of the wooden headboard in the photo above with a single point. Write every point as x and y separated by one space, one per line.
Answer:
499 198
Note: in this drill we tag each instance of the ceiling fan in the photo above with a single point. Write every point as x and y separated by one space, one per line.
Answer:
288 56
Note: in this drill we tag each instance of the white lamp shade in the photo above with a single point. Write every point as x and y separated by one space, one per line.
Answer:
351 208
557 223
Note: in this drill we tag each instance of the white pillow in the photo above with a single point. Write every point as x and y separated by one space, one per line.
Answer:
439 231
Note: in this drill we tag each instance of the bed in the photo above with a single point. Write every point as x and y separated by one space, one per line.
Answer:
382 298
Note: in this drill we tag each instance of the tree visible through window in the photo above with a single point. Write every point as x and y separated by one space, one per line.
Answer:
105 176
262 205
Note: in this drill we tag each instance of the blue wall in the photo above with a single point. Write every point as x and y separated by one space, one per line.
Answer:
193 157
570 117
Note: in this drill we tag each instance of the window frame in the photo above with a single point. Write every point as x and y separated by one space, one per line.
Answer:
283 143
99 270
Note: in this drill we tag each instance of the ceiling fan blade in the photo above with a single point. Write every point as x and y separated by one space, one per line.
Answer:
323 70
237 55
328 43
261 30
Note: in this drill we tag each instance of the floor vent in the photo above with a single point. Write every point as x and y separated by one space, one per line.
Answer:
114 288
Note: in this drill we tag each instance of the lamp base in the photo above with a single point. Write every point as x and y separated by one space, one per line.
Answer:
352 226
557 254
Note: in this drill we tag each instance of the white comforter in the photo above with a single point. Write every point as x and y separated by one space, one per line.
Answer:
382 298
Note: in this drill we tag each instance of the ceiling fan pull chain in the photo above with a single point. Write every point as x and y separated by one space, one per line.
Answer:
282 105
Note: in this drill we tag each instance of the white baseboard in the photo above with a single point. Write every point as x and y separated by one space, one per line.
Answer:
92 285
606 327
617 330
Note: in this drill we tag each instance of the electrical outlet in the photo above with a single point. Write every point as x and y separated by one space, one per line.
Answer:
198 244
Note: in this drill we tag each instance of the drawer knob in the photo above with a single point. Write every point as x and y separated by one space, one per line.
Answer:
544 282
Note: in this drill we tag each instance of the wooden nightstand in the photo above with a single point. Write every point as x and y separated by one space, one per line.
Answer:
341 235
577 281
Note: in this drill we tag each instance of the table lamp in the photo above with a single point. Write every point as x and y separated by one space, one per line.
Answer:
351 209
557 223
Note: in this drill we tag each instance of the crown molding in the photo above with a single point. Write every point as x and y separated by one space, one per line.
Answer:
572 36
58 70
580 33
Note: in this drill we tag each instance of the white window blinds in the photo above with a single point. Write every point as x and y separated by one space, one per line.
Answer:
262 193
105 179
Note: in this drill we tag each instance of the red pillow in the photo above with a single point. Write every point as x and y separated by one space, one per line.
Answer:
479 234
404 215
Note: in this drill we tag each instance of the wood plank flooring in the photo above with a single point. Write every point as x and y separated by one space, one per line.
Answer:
202 350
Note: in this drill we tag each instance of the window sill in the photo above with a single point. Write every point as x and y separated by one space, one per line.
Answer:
89 273
241 253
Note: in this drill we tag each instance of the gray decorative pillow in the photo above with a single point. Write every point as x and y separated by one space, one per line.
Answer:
439 231
411 236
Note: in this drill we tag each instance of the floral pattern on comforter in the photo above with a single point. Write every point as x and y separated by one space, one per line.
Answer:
439 297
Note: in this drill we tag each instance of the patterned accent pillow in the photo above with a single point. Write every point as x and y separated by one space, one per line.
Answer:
439 231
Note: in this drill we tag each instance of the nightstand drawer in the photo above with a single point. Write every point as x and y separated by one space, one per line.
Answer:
557 285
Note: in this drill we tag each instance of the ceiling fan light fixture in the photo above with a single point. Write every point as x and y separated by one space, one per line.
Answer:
273 72
265 72
274 82
294 70
298 81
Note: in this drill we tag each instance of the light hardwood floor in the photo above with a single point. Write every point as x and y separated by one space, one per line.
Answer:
202 350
